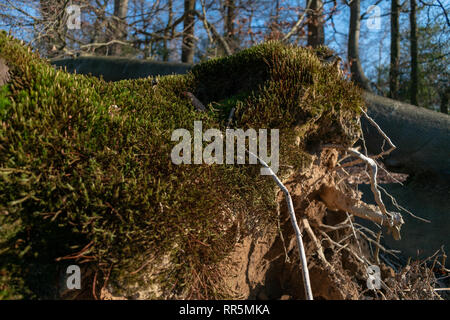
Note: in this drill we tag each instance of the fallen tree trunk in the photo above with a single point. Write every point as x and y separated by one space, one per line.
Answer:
115 69
426 199
422 136
422 139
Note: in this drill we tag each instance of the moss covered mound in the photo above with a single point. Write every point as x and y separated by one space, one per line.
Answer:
83 181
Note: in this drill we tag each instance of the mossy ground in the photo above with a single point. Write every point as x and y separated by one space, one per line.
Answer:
73 173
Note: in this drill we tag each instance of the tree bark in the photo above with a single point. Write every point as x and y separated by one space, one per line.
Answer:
188 44
229 18
119 25
116 69
230 15
316 34
421 136
444 100
353 47
166 32
395 50
414 55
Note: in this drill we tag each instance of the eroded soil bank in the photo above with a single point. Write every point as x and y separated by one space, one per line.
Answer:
266 265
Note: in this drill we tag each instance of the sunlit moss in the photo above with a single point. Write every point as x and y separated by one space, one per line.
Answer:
72 172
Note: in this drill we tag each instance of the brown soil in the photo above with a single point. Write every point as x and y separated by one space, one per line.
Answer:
268 267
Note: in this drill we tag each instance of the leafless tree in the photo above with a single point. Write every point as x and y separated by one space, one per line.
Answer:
356 69
395 49
188 44
316 33
119 25
167 30
414 53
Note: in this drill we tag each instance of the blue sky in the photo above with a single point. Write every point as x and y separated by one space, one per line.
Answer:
374 44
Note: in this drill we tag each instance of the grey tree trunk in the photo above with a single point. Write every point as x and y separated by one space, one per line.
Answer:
188 44
316 34
422 136
353 47
119 25
119 68
395 50
414 55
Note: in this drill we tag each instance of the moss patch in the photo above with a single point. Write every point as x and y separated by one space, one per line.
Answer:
81 179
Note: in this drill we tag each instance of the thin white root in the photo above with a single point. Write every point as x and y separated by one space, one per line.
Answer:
316 242
377 249
373 178
298 234
393 147
349 218
340 246
305 271
393 225
394 202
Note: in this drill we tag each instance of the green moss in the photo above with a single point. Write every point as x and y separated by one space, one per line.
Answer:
75 172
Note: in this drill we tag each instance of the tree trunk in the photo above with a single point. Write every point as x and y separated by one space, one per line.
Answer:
316 34
229 18
422 139
414 55
116 68
119 25
277 13
444 100
395 50
353 47
188 45
230 15
166 52
421 135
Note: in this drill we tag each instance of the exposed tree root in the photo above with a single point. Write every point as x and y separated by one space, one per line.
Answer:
336 200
